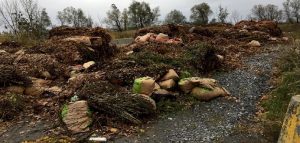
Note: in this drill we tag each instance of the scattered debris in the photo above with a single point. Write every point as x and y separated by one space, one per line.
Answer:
161 38
254 43
82 65
98 139
89 64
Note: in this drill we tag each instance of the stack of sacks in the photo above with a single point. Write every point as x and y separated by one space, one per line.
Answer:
202 88
162 38
168 81
157 90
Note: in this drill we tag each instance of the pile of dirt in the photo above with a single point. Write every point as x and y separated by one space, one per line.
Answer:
10 106
54 58
170 29
65 31
79 45
231 41
242 31
10 76
269 27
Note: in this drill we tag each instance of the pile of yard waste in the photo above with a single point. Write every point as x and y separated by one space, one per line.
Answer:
45 69
78 76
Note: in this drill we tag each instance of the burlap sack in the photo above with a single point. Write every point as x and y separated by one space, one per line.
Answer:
163 38
170 75
167 84
144 85
186 85
205 94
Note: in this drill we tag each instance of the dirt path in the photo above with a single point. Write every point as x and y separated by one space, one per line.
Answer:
220 119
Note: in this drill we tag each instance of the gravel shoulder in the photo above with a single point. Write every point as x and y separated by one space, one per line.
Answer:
220 119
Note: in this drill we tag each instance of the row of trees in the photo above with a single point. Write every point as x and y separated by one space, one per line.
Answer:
24 17
74 17
138 15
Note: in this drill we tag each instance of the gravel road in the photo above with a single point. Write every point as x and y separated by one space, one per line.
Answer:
218 120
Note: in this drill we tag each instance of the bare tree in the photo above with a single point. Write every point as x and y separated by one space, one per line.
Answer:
31 11
10 13
223 14
287 11
125 19
259 12
24 17
295 5
236 17
74 17
114 18
268 12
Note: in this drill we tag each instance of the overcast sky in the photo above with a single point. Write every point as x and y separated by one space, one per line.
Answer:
98 8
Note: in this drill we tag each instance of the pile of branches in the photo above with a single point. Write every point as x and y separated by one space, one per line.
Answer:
10 76
105 98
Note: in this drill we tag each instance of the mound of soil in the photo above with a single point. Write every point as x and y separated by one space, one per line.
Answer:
269 27
65 31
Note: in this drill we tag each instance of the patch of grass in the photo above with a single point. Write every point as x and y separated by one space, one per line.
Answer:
289 84
64 111
123 34
185 74
193 59
292 30
25 40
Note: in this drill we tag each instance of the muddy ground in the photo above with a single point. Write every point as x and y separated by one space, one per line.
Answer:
220 120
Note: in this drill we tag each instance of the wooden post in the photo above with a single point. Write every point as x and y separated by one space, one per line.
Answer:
290 131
